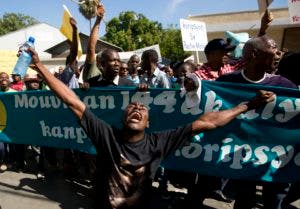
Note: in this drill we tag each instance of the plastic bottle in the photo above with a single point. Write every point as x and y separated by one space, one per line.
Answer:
24 58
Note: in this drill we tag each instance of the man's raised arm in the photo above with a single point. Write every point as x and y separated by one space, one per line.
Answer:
59 88
91 48
265 23
212 120
74 44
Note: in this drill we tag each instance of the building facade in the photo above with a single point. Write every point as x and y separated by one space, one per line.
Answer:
281 30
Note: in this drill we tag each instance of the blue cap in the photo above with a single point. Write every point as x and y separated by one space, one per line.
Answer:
31 39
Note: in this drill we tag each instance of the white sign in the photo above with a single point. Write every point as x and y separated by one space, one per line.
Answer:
294 10
126 55
194 37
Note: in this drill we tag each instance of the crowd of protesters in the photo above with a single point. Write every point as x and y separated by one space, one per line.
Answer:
262 63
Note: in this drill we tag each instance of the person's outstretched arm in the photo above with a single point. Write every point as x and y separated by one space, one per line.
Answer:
59 88
213 120
91 49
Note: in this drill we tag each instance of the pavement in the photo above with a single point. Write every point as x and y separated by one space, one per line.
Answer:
25 191
22 190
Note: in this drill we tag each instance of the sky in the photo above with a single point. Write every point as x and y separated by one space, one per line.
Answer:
166 12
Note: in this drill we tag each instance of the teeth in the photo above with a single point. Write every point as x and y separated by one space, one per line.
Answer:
136 116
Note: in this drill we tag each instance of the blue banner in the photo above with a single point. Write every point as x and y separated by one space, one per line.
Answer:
261 144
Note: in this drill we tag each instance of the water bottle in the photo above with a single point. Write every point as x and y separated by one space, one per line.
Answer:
24 58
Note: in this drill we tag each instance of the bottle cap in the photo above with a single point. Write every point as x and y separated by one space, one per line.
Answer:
31 39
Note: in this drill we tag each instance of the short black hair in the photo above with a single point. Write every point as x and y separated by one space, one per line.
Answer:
133 56
105 55
151 55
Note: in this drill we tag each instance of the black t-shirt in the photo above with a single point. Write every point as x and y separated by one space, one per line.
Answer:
99 81
126 170
268 80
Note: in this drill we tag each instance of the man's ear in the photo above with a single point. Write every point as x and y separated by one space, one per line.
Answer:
148 124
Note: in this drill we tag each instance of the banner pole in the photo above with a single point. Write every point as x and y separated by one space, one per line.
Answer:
197 57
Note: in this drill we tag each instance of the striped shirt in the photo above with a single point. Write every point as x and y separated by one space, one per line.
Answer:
206 73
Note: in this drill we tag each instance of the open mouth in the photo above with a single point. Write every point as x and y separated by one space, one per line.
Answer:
135 117
276 62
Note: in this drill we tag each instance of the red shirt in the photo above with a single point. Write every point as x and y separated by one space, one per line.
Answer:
206 73
17 86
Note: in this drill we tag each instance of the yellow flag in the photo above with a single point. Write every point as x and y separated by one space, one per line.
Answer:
67 29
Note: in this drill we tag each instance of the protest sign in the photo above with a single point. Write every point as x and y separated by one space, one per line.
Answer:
126 55
261 144
294 10
194 37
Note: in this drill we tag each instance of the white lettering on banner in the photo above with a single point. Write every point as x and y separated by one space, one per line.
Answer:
209 151
287 109
249 115
166 98
267 113
125 95
25 101
212 104
192 151
143 97
105 102
225 150
63 132
242 154
283 158
238 155
290 107
193 111
261 156
90 102
290 111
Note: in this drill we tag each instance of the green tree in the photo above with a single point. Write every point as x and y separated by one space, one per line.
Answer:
133 31
171 45
15 21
